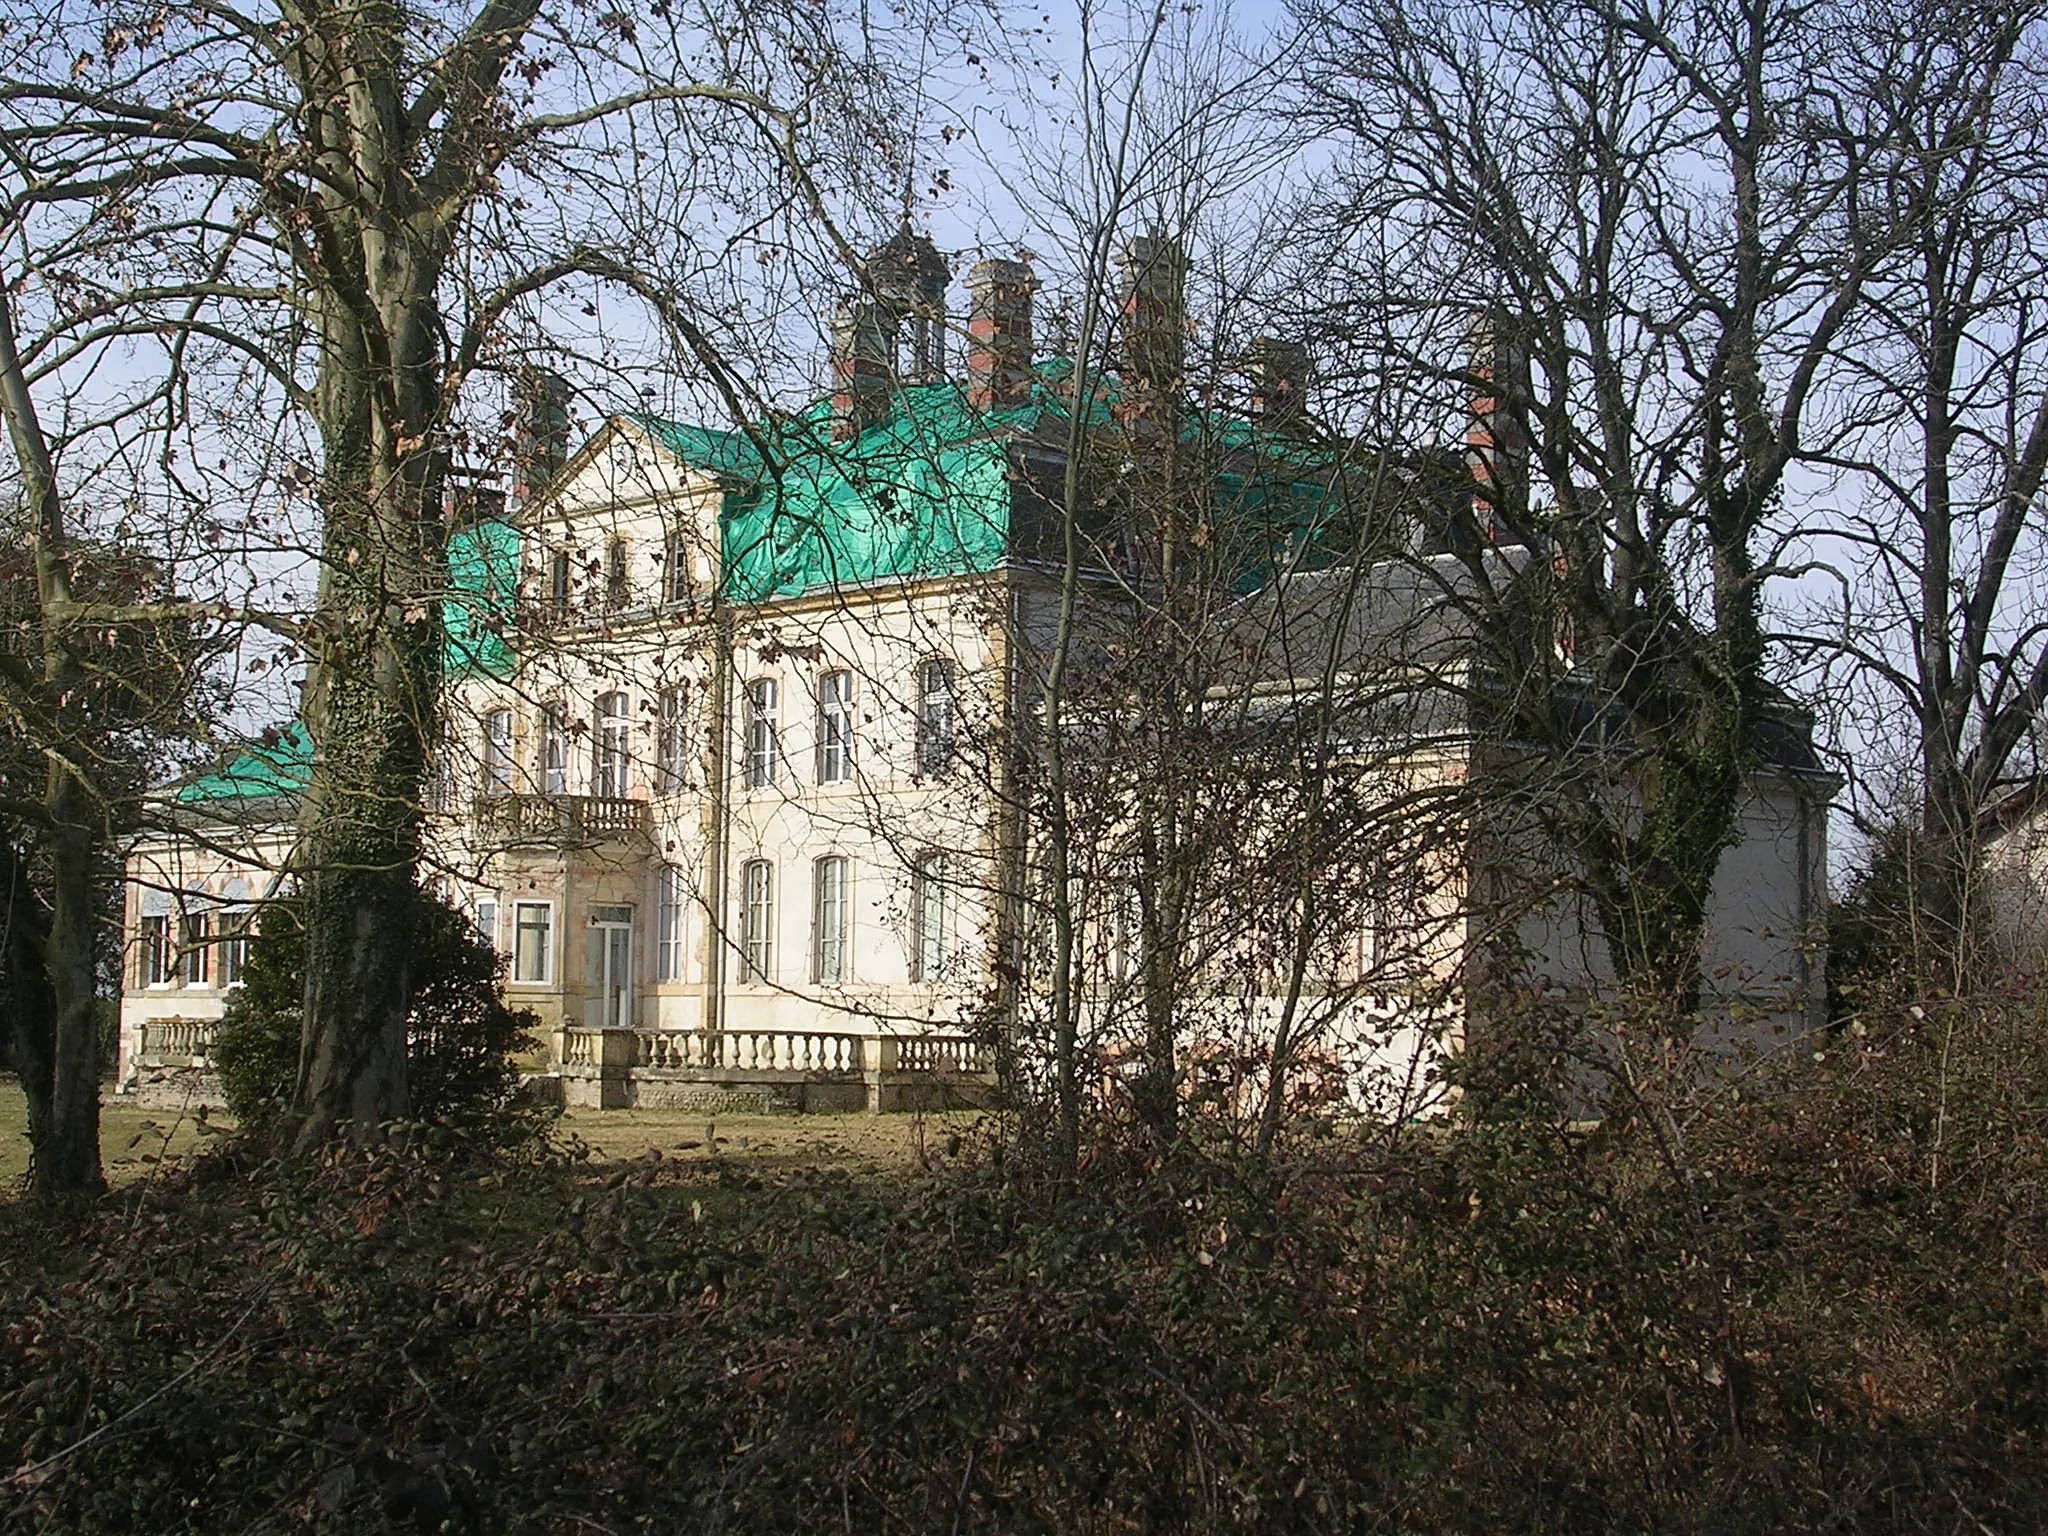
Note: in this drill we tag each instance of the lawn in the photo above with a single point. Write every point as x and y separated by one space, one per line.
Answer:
134 1142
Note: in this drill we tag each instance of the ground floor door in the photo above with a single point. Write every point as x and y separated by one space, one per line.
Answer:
608 979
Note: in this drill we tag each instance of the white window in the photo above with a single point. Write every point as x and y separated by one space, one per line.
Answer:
829 919
931 904
671 743
533 933
935 717
613 748
487 921
560 565
835 727
497 752
757 919
618 578
234 946
554 752
668 935
156 950
197 950
675 571
761 743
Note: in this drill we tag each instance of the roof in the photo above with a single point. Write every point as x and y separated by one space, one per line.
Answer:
928 490
282 764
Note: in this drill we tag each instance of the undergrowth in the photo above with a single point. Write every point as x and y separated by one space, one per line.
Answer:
1829 1312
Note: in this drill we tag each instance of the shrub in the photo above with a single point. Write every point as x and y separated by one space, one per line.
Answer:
461 1037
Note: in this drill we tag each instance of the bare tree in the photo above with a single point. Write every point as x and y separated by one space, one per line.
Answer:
367 196
1587 223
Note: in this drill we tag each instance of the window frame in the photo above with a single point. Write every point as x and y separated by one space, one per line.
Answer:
937 730
611 746
158 967
671 946
195 948
498 760
553 752
485 915
233 937
675 574
618 573
757 922
831 920
561 580
546 929
763 735
933 918
835 727
672 739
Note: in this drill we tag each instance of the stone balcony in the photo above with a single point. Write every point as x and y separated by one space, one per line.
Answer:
770 1069
561 821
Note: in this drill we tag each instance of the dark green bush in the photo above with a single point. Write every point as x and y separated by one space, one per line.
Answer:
461 1039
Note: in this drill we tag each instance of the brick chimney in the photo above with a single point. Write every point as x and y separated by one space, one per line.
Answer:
1279 378
999 334
540 430
863 366
1496 443
1155 269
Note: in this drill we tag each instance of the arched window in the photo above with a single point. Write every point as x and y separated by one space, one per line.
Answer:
618 575
613 747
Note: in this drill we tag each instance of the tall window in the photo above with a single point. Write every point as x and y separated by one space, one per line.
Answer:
560 565
197 951
487 921
761 744
675 571
533 931
156 950
618 577
935 717
757 919
497 752
554 752
668 935
234 946
931 902
835 727
671 740
613 747
828 919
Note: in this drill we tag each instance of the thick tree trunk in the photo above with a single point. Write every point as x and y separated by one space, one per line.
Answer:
67 1162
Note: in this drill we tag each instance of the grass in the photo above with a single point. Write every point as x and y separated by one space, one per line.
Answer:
135 1142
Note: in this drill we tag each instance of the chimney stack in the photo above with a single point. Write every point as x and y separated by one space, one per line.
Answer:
1279 371
1496 443
999 334
540 430
1155 324
863 370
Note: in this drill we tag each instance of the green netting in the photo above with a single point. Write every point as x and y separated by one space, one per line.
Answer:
483 572
281 767
923 493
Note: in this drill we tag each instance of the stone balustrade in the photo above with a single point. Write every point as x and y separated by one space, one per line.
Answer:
821 1068
562 821
176 1042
